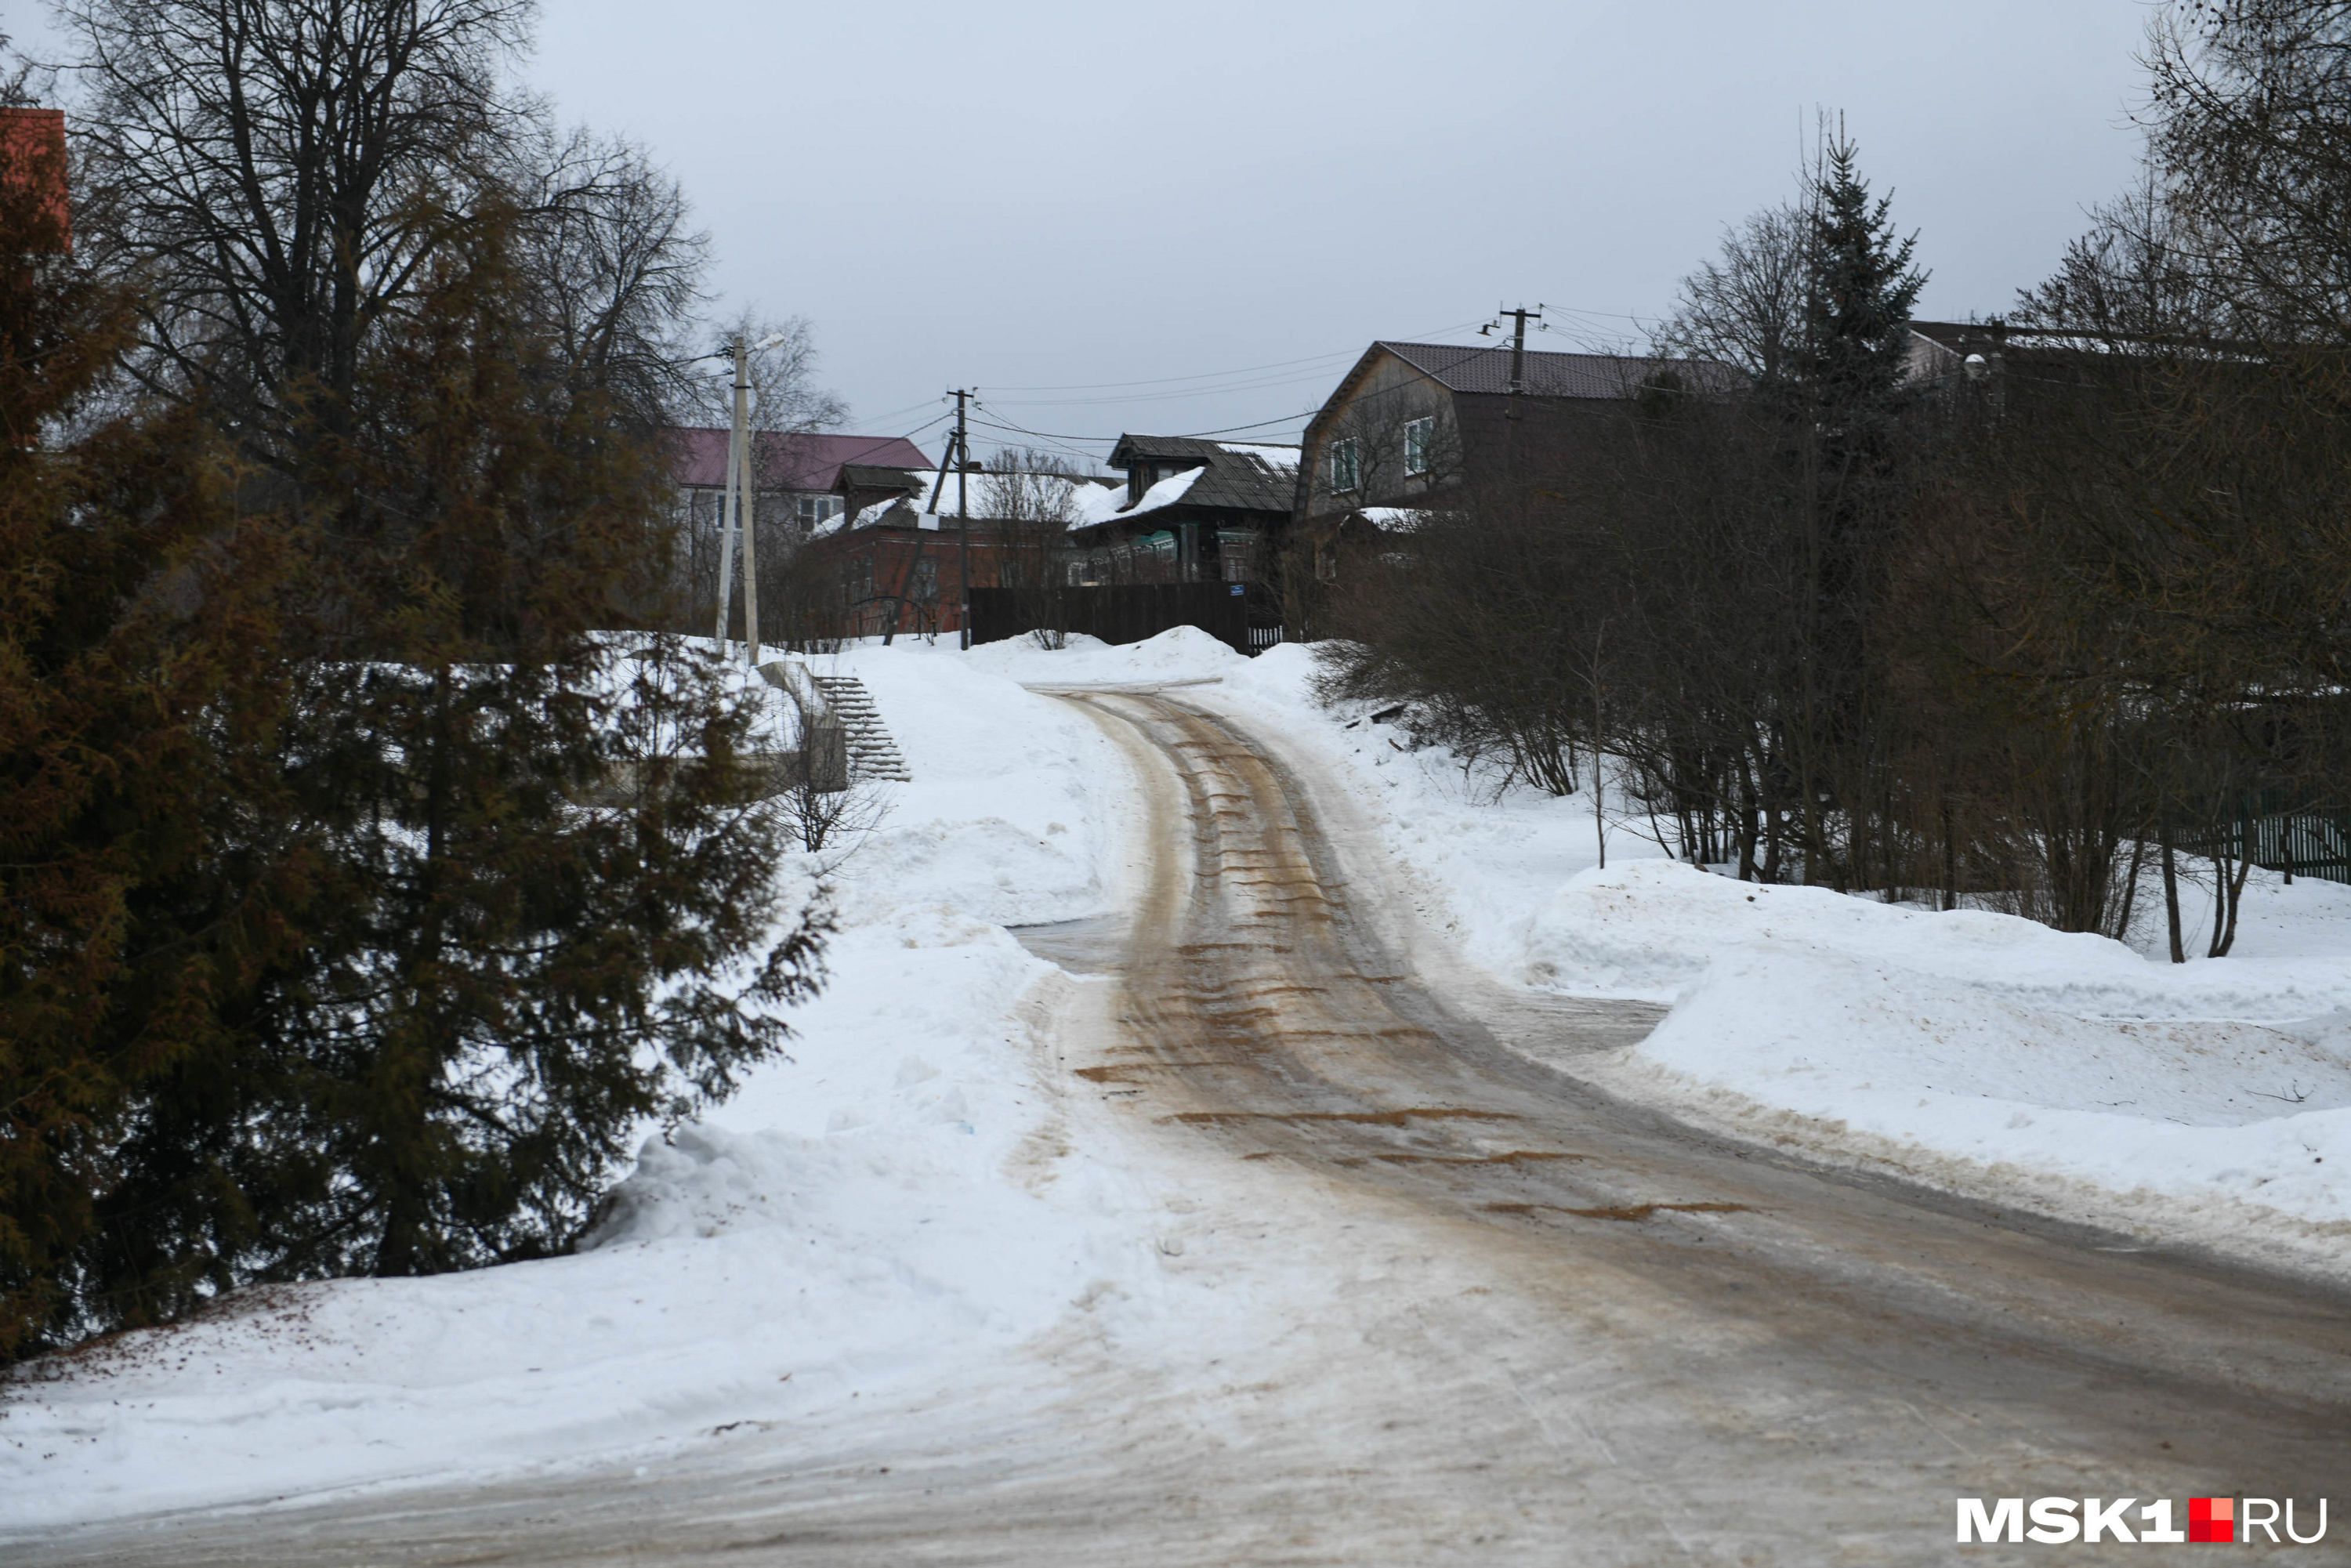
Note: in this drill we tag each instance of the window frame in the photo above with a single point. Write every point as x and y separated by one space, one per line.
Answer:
1352 450
1418 437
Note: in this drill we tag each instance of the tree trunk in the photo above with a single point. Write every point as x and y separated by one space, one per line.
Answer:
1951 861
2130 889
1750 825
2171 894
2233 888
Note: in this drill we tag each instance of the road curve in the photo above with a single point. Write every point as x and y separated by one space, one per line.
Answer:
1577 1332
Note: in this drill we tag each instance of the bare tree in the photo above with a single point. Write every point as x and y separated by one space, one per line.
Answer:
284 173
2250 129
1746 308
832 825
1030 499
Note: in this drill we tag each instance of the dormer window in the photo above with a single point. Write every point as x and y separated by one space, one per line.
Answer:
1346 465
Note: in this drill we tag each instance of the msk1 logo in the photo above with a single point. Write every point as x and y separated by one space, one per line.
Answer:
2058 1520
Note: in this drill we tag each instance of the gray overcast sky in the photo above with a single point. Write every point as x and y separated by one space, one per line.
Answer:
1035 195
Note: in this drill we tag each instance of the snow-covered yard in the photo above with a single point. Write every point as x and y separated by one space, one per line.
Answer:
891 1215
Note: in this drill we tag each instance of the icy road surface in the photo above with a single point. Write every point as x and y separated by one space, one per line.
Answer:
1556 1328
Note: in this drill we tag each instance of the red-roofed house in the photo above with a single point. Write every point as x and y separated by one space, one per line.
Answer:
792 474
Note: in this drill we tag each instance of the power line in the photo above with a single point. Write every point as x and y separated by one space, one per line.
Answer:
1005 424
1111 440
1211 375
1186 395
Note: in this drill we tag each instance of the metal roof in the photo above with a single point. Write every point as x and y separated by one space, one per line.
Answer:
1241 476
1485 369
786 462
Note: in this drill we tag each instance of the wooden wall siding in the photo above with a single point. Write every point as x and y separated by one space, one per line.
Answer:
1127 612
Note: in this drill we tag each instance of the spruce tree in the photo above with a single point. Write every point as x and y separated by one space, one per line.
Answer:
536 891
1860 287
136 622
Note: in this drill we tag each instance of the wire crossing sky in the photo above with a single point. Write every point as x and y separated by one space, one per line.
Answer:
1172 220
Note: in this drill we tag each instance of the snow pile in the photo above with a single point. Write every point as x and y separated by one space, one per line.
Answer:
1925 1038
887 1216
1185 653
1969 1049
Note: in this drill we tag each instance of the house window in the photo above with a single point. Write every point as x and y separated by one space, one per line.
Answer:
1346 465
1418 434
927 580
812 512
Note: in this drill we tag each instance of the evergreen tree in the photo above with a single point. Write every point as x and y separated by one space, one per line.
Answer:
1860 287
135 626
365 892
538 896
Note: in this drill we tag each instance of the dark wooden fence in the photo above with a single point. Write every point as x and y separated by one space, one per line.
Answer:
1129 612
2315 843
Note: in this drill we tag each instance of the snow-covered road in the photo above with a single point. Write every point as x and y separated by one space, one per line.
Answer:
1506 1318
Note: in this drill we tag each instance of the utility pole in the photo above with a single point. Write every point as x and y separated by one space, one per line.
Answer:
746 505
1519 345
727 520
733 507
963 514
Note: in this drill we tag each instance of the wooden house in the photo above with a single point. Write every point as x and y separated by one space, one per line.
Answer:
1189 510
1415 426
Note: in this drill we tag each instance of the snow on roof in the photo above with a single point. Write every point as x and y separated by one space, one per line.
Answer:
1090 498
1166 493
1394 520
1096 504
1272 457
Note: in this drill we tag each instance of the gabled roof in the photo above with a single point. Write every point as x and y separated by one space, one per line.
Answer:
1488 370
1237 476
877 476
785 461
909 509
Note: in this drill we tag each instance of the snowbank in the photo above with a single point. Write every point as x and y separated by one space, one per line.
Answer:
889 1215
1973 1050
2205 1097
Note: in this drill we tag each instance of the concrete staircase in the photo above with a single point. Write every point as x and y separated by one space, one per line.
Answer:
872 753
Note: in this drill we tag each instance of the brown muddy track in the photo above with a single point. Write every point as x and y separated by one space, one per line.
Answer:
1579 1333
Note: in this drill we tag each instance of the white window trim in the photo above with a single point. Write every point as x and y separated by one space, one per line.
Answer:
1354 477
1417 434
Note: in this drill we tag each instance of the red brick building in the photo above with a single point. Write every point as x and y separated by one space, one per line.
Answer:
909 541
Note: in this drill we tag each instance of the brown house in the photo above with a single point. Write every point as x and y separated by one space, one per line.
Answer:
1413 425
